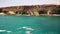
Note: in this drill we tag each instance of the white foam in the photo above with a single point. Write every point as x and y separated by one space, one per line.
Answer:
29 29
9 31
2 30
24 27
28 32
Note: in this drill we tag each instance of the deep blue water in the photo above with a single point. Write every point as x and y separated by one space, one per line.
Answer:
40 24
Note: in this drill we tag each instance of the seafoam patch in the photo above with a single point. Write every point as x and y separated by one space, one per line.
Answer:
8 31
24 27
28 32
29 29
3 30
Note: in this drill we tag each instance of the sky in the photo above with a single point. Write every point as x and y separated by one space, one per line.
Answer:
4 3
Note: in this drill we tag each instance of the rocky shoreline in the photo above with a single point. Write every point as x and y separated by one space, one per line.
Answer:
34 10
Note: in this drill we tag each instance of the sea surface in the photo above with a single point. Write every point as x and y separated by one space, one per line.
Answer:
29 24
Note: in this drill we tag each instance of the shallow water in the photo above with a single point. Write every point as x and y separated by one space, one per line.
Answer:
39 24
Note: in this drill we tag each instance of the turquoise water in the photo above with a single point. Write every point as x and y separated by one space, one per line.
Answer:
40 24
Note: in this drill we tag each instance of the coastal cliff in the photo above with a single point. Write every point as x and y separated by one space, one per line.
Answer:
33 10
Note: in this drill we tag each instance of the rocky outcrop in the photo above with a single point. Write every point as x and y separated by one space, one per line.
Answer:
34 10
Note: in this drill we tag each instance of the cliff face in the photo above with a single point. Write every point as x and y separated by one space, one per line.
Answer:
32 10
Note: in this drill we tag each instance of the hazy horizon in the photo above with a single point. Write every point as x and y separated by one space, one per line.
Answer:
5 3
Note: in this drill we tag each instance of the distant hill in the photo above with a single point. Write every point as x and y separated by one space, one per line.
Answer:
33 9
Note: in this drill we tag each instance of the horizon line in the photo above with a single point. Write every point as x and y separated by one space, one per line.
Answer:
28 5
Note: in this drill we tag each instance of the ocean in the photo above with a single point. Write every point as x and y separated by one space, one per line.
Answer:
29 24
